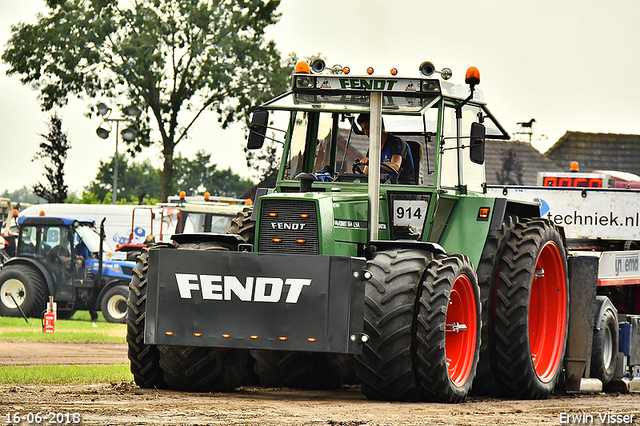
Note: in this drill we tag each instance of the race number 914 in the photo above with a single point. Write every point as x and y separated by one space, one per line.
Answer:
409 212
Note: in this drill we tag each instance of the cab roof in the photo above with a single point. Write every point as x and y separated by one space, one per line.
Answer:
54 220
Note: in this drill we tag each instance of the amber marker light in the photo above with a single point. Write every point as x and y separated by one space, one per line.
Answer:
277 240
254 337
301 241
226 336
169 333
183 195
283 338
197 334
311 339
207 196
302 68
304 215
483 213
272 214
472 76
346 70
394 71
370 70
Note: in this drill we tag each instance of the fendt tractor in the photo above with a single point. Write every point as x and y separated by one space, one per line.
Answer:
63 258
415 291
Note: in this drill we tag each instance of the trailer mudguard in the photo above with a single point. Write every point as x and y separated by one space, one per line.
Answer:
255 300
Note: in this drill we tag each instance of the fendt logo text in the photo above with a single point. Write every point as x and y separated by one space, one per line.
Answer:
294 226
254 289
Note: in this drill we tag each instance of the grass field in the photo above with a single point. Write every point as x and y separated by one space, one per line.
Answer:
79 329
61 374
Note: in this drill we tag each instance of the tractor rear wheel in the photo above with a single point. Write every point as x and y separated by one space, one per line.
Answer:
486 382
387 364
23 285
243 225
144 359
531 310
448 329
604 355
302 370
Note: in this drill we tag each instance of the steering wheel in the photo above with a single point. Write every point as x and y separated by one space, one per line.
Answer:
355 168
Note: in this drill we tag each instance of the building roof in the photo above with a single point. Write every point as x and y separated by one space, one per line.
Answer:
515 163
597 151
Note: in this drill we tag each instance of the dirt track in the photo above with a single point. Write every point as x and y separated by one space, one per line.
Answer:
126 404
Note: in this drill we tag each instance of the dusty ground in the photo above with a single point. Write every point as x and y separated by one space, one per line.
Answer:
126 404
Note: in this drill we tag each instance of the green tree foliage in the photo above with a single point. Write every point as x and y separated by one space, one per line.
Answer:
174 58
198 176
136 181
23 195
139 183
54 151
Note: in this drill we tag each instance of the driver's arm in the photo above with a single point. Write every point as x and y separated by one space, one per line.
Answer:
392 166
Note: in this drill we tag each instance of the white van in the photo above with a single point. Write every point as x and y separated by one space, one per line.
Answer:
117 225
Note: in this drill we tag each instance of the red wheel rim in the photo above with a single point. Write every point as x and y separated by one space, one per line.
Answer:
547 312
460 341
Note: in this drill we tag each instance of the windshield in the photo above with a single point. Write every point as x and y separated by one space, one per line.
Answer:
91 239
336 141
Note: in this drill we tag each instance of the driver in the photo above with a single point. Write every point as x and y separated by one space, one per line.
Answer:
61 251
395 158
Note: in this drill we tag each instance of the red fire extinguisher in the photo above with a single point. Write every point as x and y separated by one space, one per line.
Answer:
49 324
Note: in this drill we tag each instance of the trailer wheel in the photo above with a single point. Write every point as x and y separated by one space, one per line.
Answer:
28 289
243 225
114 304
386 367
531 310
144 359
604 355
302 370
448 329
486 382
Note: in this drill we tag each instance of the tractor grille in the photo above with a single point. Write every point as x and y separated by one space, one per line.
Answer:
288 226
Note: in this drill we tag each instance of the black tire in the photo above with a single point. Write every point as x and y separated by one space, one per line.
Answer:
448 329
386 367
302 370
243 225
203 369
144 359
486 382
188 368
114 304
27 286
531 312
604 353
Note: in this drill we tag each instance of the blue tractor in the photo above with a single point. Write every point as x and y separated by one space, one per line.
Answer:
66 258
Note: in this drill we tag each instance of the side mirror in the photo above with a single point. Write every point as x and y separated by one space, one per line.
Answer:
476 146
258 129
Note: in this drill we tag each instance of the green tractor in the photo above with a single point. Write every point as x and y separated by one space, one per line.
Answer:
415 289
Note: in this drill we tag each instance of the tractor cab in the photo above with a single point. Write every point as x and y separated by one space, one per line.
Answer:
66 250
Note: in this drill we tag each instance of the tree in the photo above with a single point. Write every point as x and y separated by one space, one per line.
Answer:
53 149
136 181
200 175
175 58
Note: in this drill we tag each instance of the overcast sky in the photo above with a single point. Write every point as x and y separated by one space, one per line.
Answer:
571 64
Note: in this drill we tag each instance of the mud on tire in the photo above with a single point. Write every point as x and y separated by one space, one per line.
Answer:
531 310
243 225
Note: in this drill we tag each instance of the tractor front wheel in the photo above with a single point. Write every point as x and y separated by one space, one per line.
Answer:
448 329
23 285
114 304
